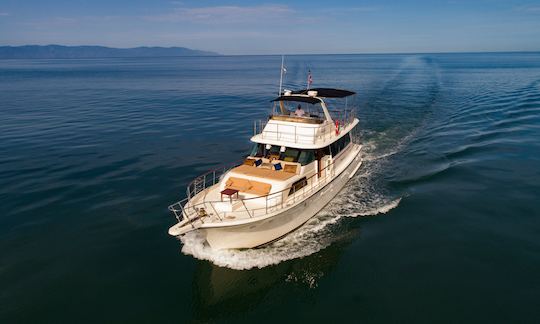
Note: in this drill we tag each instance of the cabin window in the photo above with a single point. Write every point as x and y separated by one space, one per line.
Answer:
257 150
340 144
306 157
298 185
273 151
303 157
290 155
323 151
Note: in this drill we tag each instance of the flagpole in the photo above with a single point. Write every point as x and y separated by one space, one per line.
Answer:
281 76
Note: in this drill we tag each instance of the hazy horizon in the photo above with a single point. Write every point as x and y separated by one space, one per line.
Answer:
280 54
276 27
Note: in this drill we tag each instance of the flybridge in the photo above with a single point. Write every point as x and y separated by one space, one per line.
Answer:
318 111
315 128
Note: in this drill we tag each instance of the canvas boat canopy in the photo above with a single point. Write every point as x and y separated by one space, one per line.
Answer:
303 98
326 92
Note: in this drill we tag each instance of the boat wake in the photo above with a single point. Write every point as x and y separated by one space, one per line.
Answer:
361 197
314 236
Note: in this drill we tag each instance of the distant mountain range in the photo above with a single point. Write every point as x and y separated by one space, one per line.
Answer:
59 51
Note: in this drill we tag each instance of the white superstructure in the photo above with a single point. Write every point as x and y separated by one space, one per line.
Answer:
302 157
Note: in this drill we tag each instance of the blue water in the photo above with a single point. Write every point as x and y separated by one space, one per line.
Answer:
441 223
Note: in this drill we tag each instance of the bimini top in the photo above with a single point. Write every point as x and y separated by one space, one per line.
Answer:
327 92
300 98
302 95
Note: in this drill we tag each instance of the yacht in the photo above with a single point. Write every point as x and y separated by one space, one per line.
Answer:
302 156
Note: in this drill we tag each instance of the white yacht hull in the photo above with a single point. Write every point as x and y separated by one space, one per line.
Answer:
260 232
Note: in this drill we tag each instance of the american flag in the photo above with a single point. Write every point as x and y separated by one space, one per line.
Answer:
309 79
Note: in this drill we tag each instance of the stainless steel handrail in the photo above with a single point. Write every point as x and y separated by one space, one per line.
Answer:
325 131
208 179
213 177
251 212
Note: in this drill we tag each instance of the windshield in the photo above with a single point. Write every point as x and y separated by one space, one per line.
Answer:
303 157
290 108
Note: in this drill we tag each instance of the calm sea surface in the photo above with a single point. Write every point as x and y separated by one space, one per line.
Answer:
441 223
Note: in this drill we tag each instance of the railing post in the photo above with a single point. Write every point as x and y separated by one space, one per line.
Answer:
187 216
247 210
176 214
215 211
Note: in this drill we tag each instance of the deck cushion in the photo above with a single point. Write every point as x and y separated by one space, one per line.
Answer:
259 188
238 184
252 171
248 186
249 161
290 168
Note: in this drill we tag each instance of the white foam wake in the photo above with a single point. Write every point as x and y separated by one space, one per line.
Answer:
293 246
314 236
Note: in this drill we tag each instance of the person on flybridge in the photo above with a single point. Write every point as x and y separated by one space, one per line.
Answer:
299 111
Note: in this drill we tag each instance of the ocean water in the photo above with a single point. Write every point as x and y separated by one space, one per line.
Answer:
441 223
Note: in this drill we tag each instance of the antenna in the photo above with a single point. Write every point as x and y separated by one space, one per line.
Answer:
281 76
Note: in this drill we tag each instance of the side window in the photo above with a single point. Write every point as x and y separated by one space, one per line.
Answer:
325 150
257 150
346 140
273 151
306 157
320 153
298 185
290 155
338 146
334 147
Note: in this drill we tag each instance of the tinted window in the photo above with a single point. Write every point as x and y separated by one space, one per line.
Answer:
298 185
325 151
290 155
257 150
338 146
274 150
346 139
306 157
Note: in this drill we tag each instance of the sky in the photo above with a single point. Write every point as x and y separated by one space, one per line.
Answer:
277 27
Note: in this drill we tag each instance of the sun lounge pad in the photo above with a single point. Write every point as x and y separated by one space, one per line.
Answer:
262 173
249 186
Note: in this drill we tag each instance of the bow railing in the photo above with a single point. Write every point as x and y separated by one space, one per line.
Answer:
269 203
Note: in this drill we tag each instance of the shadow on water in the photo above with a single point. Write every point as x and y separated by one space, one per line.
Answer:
218 291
